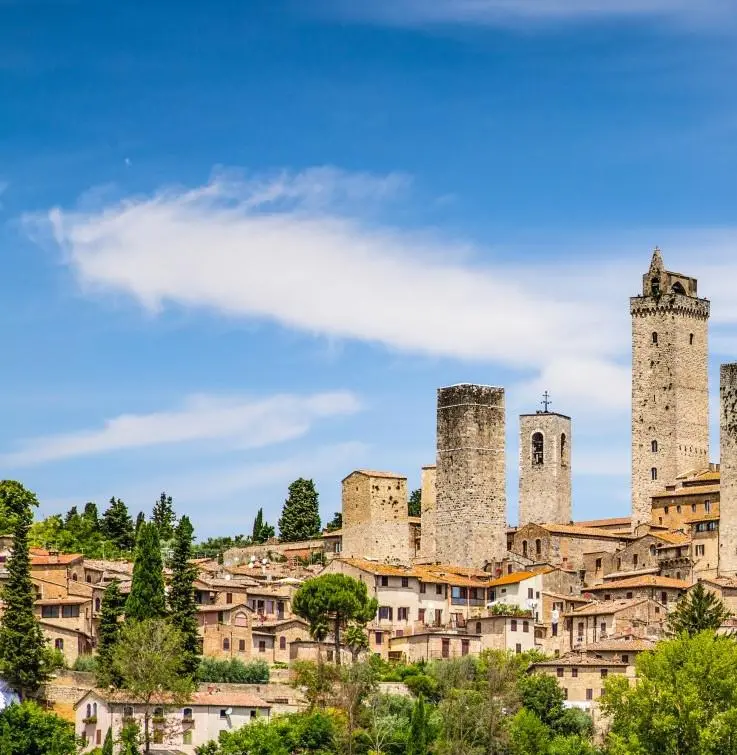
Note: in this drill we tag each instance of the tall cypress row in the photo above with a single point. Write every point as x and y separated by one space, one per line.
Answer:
24 655
147 599
112 607
182 606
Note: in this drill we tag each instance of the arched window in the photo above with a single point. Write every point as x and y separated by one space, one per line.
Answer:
538 547
538 448
654 473
226 644
563 449
654 446
94 709
655 286
478 627
127 711
97 604
74 577
59 643
89 710
187 714
690 339
655 338
677 288
282 643
524 547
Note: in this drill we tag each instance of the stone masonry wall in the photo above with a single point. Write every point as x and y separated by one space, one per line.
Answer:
375 517
427 531
545 487
670 402
728 468
470 513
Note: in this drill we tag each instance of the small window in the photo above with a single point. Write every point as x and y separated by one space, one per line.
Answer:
422 588
439 589
378 638
598 564
465 646
59 643
530 593
538 547
223 712
518 648
403 614
513 625
655 339
262 646
226 643
127 711
525 626
538 448
228 597
707 506
654 446
421 615
158 713
559 672
654 473
678 509
635 559
385 581
524 548
75 578
607 596
589 694
253 714
690 339
97 605
604 673
563 450
187 714
69 612
629 596
666 510
478 627
241 646
574 673
405 581
693 508
282 643
625 658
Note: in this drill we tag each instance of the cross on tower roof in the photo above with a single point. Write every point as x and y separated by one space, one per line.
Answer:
546 401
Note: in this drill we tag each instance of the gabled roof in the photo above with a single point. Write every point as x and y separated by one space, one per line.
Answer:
673 538
519 576
61 559
688 490
223 607
572 529
207 695
626 646
579 659
646 580
377 474
606 607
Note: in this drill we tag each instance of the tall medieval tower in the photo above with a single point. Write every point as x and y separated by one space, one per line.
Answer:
728 470
545 468
670 401
471 500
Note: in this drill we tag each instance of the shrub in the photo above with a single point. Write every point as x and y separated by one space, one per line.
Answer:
421 684
233 671
85 663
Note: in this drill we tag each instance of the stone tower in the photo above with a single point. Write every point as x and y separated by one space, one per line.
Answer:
427 528
670 401
471 501
545 468
728 470
375 516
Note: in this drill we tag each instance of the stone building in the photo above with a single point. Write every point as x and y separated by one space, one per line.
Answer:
471 501
427 526
728 470
375 517
670 400
545 468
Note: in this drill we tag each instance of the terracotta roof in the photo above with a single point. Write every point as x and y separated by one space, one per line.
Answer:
333 533
439 575
571 598
570 529
690 490
615 575
223 607
376 473
673 538
578 659
203 697
624 521
702 518
63 559
719 581
646 580
634 645
515 577
62 601
62 627
605 607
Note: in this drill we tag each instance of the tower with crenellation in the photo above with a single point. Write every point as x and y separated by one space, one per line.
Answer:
670 400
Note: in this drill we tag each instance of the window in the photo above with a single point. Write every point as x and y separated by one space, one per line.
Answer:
478 627
187 714
49 612
693 508
331 655
228 597
665 510
589 694
385 581
403 614
524 548
59 643
438 589
604 673
98 737
707 506
525 626
282 643
226 643
158 713
607 596
422 588
559 672
699 550
262 646
378 638
628 596
405 581
187 737
513 625
574 673
635 559
253 714
664 598
625 658
97 604
89 710
518 648
538 547
654 473
465 645
538 448
385 613
598 564
690 339
655 339
127 711
563 450
654 446
445 652
530 593
241 646
421 615
580 629
603 627
438 616
221 617
69 612
223 713
75 578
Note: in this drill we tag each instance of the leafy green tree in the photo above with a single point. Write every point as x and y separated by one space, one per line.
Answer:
90 514
214 547
27 729
300 518
529 735
541 694
163 517
414 505
697 610
107 745
71 516
335 523
182 606
336 599
318 680
148 658
116 525
233 671
686 690
418 738
356 640
147 598
129 738
571 745
113 605
25 660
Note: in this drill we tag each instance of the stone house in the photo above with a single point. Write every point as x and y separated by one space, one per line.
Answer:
225 631
512 633
725 588
272 639
428 646
704 545
624 649
665 590
211 591
691 495
641 617
70 641
200 720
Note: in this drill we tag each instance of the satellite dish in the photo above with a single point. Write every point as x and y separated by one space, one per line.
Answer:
228 711
265 561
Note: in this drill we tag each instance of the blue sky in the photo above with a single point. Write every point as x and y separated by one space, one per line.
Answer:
244 242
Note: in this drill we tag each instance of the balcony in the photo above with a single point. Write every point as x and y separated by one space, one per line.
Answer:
472 602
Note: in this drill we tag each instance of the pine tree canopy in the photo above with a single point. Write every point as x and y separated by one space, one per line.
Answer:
182 606
117 526
24 656
697 610
300 519
147 597
414 505
163 517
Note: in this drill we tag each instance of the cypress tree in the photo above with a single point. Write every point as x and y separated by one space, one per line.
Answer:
163 517
112 607
182 606
417 742
24 656
117 525
300 519
147 598
140 519
107 745
258 524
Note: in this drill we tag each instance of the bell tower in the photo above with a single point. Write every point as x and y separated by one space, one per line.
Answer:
670 398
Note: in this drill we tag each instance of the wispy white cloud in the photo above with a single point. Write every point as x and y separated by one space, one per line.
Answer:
506 12
245 422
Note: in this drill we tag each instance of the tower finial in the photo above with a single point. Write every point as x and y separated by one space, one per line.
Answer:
546 402
657 261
